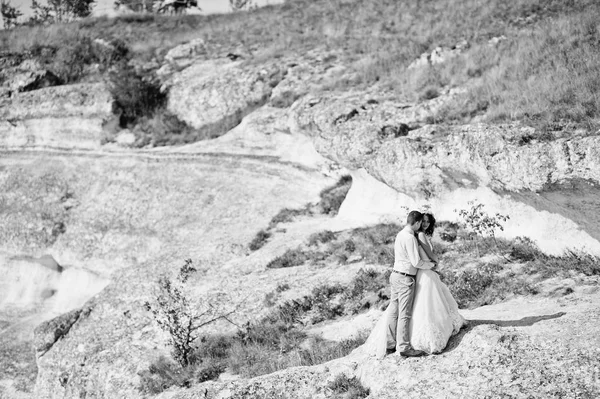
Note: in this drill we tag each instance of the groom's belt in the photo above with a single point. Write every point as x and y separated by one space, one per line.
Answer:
404 274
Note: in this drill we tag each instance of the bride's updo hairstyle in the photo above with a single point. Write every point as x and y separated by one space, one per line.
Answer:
431 227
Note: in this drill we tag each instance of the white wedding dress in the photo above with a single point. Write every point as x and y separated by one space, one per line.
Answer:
435 316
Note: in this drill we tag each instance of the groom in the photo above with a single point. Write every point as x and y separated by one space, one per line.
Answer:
402 283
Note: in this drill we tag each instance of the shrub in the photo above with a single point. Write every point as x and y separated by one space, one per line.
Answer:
367 282
484 285
447 231
287 215
332 197
173 311
550 266
259 240
292 257
285 348
163 374
347 388
135 97
429 93
159 127
321 237
480 223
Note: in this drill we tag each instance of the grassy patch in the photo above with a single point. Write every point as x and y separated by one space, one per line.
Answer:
330 201
374 244
487 284
332 197
545 71
321 237
164 373
329 301
292 257
347 388
287 215
259 240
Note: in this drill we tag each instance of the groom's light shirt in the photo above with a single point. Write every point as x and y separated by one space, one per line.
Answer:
406 253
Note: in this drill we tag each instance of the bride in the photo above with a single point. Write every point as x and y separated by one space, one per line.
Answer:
435 317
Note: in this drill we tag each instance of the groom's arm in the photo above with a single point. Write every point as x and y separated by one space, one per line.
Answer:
414 257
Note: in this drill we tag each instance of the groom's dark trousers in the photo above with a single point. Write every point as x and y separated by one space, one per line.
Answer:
399 311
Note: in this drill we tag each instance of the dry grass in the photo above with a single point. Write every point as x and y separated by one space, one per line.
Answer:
544 73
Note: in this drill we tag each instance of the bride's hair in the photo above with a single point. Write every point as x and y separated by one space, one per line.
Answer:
431 227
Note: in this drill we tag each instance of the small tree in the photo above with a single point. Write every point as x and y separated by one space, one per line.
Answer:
9 13
57 11
178 316
479 222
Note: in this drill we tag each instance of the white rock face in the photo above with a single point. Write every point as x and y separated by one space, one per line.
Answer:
546 187
369 201
62 117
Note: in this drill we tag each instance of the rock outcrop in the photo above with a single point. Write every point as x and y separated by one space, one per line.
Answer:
439 165
61 117
130 216
47 333
214 96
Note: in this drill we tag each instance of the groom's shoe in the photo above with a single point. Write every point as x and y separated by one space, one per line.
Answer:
411 353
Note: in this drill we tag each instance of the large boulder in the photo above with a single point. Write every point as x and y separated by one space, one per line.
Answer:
214 96
62 116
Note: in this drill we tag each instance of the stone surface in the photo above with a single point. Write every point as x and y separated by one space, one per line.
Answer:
446 165
63 116
312 71
184 55
513 341
137 216
214 96
47 333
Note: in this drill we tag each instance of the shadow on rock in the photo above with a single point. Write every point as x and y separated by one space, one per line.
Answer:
524 322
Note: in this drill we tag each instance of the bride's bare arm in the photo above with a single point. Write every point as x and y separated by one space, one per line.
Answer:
428 250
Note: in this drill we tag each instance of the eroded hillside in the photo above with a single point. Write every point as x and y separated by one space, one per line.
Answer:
419 112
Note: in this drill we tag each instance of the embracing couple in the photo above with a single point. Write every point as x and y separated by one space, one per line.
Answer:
422 314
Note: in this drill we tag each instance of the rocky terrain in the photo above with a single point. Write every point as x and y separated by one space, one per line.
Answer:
115 218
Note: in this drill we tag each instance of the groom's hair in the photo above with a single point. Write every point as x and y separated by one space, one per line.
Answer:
414 217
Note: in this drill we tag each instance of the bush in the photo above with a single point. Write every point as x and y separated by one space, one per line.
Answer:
550 266
259 240
287 215
163 374
292 257
271 347
321 237
173 311
135 97
485 285
347 388
160 128
366 283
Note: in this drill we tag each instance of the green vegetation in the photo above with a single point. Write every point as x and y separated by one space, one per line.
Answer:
332 197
